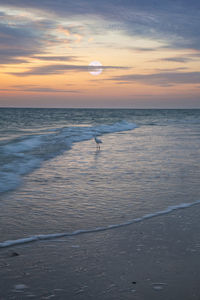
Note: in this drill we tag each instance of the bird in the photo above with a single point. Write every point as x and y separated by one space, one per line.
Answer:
98 142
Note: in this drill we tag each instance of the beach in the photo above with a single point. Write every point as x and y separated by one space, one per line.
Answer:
100 150
154 259
119 222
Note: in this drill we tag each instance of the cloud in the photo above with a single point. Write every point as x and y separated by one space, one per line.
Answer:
174 22
33 34
143 49
24 37
177 22
63 30
55 58
50 90
78 38
160 79
38 89
5 59
180 59
18 42
170 69
61 69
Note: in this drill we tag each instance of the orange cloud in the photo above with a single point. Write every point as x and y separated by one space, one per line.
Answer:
78 38
90 39
63 30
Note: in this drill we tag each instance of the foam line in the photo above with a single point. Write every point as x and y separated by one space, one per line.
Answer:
26 153
39 237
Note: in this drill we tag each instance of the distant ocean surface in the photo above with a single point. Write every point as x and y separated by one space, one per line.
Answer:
53 180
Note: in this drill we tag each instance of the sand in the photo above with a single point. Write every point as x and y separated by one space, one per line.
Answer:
158 258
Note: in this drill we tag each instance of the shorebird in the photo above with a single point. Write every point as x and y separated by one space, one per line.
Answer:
98 142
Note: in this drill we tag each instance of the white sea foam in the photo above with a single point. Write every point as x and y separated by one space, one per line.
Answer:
26 144
22 155
38 237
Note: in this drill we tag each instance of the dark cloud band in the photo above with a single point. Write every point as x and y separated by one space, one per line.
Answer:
61 69
161 79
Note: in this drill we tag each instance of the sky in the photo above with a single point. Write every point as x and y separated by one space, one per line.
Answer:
148 50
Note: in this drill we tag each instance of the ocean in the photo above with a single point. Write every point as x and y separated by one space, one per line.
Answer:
55 182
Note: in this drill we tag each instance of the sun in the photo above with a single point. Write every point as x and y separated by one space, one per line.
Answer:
95 71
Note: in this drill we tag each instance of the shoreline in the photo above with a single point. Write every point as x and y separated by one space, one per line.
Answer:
154 259
43 237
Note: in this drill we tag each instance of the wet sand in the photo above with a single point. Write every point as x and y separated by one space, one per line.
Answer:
158 258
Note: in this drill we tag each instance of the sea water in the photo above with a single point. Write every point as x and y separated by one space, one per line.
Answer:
55 182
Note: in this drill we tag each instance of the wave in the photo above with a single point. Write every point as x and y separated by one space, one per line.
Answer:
22 155
39 237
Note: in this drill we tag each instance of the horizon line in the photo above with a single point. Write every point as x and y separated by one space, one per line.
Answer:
61 107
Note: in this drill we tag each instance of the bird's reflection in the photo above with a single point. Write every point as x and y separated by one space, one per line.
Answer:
97 154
